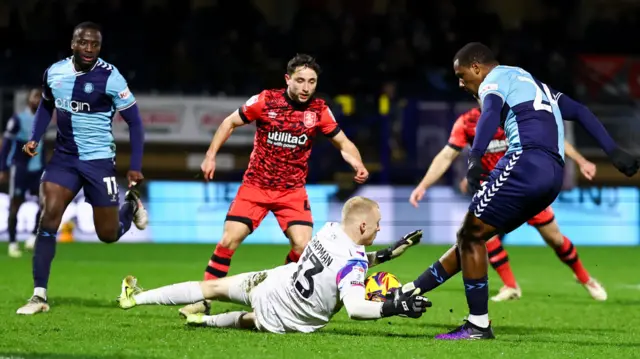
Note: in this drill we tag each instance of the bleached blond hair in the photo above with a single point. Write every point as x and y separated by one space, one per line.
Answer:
357 207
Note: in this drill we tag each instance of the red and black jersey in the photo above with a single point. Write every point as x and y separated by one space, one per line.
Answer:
285 130
464 131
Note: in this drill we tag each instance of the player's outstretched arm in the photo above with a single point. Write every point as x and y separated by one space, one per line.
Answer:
221 136
574 111
440 164
351 155
360 309
131 116
395 250
587 168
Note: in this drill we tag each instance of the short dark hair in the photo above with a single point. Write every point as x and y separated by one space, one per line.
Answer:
87 25
475 52
303 60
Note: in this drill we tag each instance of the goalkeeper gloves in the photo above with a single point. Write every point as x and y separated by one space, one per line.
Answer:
395 249
404 305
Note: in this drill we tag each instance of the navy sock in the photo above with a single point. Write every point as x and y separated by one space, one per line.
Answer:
126 216
12 223
35 228
431 278
477 291
43 256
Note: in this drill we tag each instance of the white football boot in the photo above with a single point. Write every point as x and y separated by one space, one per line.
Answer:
36 304
14 250
30 243
595 289
507 293
140 215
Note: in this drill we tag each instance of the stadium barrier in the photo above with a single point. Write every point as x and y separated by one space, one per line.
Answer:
194 212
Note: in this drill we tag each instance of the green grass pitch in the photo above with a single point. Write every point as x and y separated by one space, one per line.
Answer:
555 318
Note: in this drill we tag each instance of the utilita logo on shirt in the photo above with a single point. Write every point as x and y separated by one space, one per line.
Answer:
286 140
72 106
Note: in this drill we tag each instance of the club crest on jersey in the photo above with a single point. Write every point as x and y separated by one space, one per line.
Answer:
88 87
309 119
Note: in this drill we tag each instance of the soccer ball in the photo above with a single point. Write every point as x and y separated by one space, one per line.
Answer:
379 284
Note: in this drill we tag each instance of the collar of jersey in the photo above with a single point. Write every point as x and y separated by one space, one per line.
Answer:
295 104
78 73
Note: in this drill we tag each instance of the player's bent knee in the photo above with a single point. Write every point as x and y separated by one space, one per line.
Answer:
108 236
234 234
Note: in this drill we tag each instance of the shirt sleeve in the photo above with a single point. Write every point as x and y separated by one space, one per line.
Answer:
119 92
13 127
496 84
252 109
458 138
328 124
351 275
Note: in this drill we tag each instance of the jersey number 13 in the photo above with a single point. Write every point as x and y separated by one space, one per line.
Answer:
309 266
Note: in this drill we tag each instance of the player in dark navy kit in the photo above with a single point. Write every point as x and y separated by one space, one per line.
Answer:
526 180
22 172
85 92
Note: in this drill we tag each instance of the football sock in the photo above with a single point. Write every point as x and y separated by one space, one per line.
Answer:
499 260
568 254
218 266
43 255
35 228
12 223
293 256
431 278
126 216
477 291
181 293
224 320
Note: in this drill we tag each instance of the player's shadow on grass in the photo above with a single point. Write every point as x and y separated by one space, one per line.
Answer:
85 302
582 343
369 333
524 330
583 301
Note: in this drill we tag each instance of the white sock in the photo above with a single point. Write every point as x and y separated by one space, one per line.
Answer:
40 292
481 321
224 320
13 245
181 293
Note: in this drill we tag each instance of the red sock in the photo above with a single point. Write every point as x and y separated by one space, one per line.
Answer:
219 263
293 256
568 254
499 260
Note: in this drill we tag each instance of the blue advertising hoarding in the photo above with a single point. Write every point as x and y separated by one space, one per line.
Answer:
194 212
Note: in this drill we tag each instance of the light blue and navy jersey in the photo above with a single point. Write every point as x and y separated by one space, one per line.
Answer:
530 115
85 105
17 134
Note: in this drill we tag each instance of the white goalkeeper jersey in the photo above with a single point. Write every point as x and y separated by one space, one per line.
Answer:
304 296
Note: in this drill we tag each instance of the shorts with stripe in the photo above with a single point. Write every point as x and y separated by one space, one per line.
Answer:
522 185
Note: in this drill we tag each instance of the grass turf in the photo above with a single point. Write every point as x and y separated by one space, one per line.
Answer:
555 318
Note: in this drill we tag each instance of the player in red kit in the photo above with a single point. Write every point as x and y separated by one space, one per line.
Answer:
462 134
286 120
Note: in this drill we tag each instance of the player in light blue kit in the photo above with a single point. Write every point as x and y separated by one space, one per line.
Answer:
529 176
22 172
85 92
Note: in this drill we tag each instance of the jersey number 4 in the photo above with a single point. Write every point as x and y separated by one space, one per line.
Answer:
538 103
311 266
